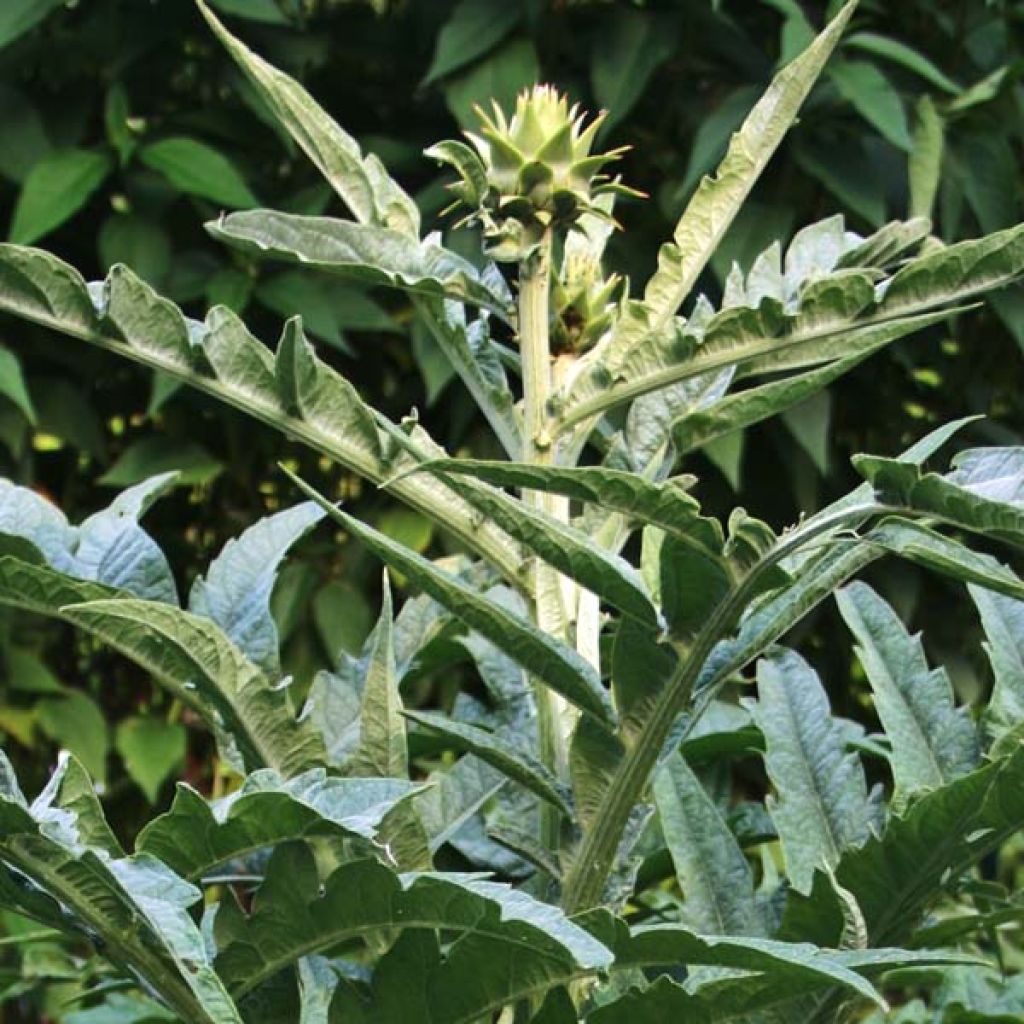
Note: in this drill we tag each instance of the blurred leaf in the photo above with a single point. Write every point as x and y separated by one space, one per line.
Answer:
151 750
925 163
992 182
230 287
76 723
712 137
515 66
299 292
65 411
266 11
873 97
23 139
12 383
473 28
116 115
630 46
906 56
982 92
434 366
406 526
198 169
797 31
56 188
19 723
848 172
343 617
809 424
327 308
140 243
726 453
19 16
152 455
28 673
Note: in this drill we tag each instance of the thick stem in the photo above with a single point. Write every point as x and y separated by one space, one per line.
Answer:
548 606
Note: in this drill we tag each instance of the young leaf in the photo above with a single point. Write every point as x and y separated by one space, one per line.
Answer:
235 593
822 805
361 181
382 749
712 871
933 743
550 660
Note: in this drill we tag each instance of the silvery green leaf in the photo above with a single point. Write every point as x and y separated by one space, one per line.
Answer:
235 591
197 835
933 742
136 906
361 181
712 871
821 803
361 252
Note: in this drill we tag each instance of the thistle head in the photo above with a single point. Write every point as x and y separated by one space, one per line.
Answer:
532 171
584 302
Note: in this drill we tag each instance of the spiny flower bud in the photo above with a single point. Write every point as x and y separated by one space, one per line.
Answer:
532 171
584 303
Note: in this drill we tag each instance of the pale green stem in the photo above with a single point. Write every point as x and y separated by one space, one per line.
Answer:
548 607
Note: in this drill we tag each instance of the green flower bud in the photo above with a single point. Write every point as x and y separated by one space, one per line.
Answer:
529 172
584 304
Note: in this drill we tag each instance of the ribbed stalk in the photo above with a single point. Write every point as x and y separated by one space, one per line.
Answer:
548 605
